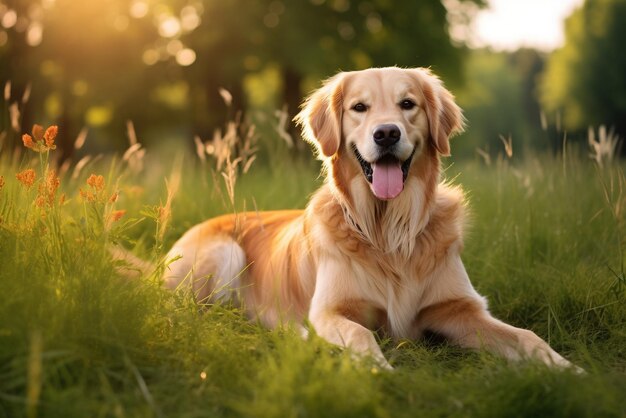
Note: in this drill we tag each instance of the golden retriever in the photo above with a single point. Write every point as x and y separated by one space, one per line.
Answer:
378 245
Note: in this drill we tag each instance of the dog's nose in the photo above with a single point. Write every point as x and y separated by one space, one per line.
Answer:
386 135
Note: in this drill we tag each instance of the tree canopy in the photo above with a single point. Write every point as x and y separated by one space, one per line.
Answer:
586 79
162 62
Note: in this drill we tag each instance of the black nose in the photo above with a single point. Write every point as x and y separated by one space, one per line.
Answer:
386 135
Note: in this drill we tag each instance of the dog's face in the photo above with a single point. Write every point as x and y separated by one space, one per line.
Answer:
383 119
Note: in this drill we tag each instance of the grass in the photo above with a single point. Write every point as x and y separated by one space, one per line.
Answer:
546 245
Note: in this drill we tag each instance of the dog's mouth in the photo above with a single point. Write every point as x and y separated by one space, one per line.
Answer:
387 175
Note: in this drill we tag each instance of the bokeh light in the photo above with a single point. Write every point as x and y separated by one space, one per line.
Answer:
185 57
138 9
169 27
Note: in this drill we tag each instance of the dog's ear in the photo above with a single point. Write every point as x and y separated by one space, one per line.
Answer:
320 117
445 117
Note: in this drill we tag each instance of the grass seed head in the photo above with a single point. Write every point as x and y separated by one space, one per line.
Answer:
14 116
604 148
7 91
81 138
26 95
1 182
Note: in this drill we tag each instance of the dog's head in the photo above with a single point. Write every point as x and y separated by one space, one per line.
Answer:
384 118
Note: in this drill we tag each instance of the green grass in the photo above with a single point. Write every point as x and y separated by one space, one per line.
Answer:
546 245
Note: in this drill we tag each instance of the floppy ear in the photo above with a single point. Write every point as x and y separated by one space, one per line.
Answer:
445 117
320 117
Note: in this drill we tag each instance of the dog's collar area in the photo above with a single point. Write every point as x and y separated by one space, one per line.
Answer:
367 167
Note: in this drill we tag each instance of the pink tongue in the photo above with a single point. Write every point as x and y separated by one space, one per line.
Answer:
387 180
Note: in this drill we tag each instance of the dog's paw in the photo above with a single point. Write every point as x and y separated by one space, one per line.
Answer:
564 364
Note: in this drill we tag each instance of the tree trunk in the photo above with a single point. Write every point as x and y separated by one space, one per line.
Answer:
292 97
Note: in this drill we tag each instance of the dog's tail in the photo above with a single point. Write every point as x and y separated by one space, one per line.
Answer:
129 265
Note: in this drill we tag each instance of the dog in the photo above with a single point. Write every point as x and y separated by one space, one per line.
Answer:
378 247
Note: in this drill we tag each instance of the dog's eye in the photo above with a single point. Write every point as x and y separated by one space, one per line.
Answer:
407 104
359 107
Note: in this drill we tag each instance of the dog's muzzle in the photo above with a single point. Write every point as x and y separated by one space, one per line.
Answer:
386 175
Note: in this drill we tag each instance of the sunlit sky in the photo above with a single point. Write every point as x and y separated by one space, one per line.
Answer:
510 24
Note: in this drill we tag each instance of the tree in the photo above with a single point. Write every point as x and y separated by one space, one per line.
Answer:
316 38
160 63
312 39
585 79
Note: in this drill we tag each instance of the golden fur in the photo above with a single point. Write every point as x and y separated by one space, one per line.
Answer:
351 262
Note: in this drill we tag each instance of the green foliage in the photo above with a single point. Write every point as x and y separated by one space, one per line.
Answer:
546 246
100 63
585 79
499 101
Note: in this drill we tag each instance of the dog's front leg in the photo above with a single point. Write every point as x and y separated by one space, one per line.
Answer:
341 331
468 324
461 315
333 290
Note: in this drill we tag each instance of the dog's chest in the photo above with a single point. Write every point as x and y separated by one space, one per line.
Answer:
394 292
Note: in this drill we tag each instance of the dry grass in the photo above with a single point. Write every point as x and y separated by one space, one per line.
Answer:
605 147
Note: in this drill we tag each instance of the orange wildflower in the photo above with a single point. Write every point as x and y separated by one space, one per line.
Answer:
38 132
114 197
96 182
50 135
48 189
26 177
87 195
28 142
117 214
41 141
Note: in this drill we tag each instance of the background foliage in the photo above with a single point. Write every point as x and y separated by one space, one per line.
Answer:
161 64
585 79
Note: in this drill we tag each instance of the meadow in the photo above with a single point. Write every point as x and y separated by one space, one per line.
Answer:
546 245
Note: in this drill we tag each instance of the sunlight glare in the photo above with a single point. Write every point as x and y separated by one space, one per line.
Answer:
508 25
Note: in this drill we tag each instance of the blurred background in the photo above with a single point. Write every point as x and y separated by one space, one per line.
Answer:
531 72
